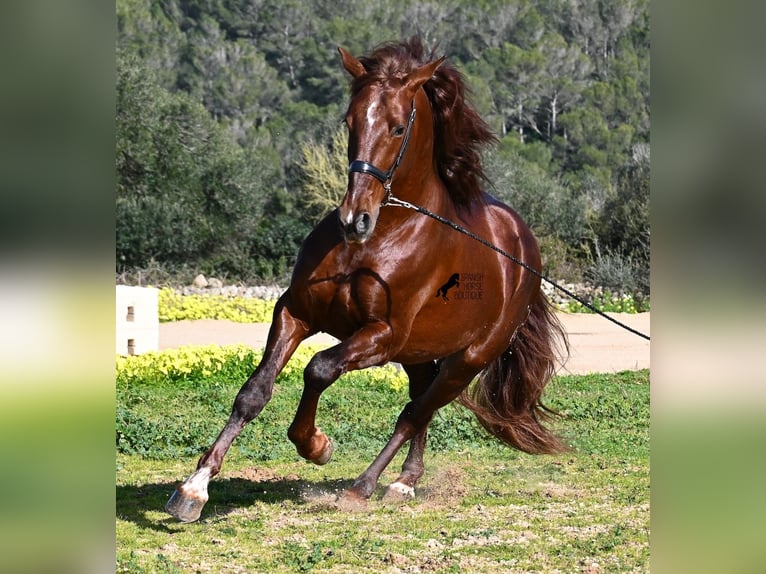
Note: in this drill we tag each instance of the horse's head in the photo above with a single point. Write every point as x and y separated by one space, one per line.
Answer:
382 127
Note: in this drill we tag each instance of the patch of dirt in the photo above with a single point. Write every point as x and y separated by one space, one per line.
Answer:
591 568
553 490
350 503
446 487
254 474
319 501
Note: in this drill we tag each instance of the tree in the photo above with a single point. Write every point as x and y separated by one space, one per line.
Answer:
149 29
185 191
564 77
565 84
514 84
280 29
231 79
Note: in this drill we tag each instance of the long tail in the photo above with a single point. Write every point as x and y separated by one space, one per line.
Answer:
506 398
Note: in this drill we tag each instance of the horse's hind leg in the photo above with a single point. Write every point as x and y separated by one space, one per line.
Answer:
421 376
454 375
285 335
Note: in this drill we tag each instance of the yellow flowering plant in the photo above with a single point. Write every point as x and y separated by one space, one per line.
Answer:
175 307
198 363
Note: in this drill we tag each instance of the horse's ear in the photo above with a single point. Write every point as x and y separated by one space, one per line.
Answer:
352 65
415 79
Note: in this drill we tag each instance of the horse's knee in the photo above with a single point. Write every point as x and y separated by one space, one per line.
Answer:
320 373
251 398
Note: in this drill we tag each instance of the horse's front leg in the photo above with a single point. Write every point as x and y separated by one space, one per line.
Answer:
369 346
285 335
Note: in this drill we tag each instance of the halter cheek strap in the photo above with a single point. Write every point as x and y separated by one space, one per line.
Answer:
385 177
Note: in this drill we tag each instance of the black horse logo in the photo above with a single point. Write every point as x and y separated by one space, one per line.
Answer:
454 281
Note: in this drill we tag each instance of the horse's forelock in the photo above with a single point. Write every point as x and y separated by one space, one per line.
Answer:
389 62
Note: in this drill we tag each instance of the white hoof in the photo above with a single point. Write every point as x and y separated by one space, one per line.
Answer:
187 501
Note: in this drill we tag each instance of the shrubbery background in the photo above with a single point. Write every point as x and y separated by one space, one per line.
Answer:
228 146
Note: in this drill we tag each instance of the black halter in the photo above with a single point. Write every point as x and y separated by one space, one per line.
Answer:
385 177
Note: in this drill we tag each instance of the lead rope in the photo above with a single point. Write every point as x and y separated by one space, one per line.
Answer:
396 202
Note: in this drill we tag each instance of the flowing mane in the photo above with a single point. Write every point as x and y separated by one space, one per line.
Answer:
459 131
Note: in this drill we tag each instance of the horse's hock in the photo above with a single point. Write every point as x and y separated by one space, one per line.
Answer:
137 321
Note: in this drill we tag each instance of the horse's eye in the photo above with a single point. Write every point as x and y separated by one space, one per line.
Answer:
398 131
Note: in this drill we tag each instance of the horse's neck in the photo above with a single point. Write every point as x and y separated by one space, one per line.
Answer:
422 185
429 192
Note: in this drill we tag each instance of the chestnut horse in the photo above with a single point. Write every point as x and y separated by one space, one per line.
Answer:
368 272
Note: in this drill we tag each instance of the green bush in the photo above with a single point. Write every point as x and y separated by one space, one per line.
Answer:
546 205
187 193
618 273
621 257
274 249
559 261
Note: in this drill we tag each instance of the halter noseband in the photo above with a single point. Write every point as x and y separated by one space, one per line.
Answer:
385 177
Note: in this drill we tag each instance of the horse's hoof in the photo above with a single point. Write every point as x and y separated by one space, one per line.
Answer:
185 508
398 492
326 454
188 499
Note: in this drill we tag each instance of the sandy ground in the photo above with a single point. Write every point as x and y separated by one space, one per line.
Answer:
596 345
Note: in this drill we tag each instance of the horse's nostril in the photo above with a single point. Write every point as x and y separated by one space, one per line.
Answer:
363 223
356 227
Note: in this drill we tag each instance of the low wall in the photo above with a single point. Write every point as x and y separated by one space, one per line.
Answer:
137 320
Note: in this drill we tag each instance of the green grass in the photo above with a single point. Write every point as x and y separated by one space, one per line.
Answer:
481 507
